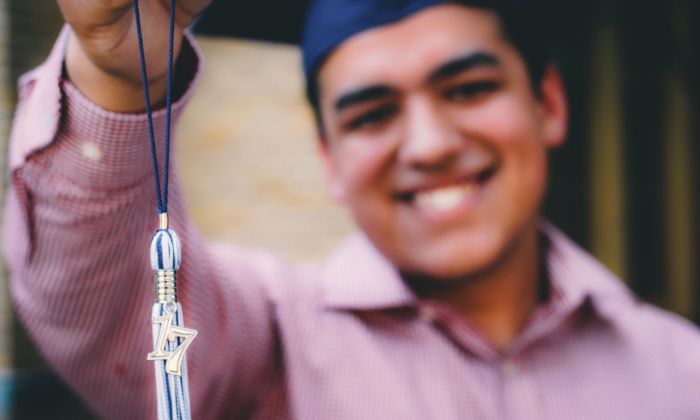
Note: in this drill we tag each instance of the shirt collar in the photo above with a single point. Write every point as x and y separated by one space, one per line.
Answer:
358 277
576 277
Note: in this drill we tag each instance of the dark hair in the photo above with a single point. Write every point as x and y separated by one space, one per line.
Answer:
523 24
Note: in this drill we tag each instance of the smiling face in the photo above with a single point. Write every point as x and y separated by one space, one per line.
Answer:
435 140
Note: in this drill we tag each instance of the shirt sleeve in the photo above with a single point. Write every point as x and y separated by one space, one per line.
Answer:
79 217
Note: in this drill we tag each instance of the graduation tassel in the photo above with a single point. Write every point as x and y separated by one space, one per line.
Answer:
170 338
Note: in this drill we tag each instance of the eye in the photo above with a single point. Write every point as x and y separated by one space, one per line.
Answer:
470 90
372 118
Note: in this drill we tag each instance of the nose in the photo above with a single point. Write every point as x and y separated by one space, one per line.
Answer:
430 141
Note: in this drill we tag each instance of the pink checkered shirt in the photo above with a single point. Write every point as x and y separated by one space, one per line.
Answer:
341 339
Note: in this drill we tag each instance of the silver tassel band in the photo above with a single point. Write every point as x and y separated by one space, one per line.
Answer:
166 286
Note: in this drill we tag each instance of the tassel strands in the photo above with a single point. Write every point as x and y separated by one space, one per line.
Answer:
172 388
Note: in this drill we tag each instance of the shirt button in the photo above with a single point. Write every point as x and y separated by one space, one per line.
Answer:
509 368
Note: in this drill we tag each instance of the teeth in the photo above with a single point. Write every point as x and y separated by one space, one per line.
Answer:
446 198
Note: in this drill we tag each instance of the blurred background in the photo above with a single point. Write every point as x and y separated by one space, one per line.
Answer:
626 185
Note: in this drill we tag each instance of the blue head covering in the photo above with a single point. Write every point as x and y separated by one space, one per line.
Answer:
330 22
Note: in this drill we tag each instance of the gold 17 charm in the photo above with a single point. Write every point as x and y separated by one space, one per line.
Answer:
170 333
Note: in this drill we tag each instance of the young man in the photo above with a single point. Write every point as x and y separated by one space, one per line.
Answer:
452 301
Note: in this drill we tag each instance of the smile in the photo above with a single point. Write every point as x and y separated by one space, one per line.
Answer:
448 198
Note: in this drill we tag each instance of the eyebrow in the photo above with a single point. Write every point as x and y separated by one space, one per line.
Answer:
447 70
366 94
463 64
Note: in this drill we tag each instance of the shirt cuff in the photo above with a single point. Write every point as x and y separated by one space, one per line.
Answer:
103 150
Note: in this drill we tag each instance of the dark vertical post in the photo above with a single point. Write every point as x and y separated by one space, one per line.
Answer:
567 201
692 67
645 33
